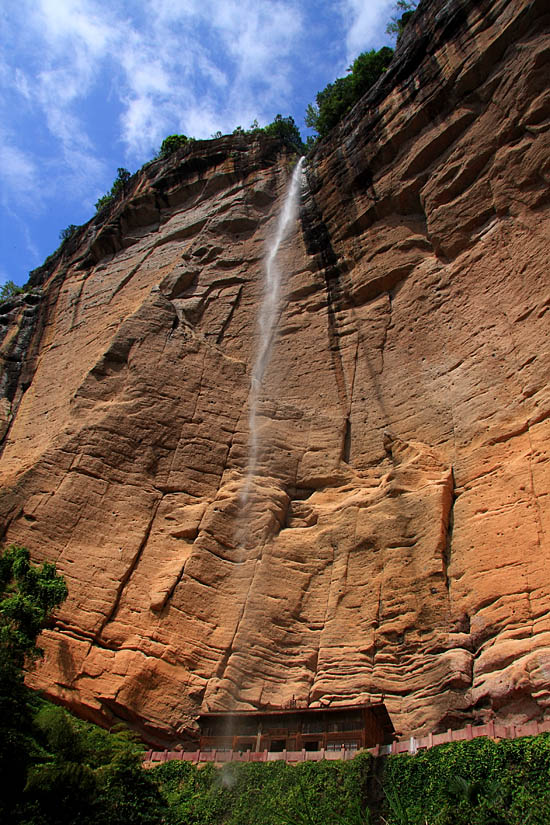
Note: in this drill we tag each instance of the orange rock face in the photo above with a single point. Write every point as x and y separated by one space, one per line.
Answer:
396 541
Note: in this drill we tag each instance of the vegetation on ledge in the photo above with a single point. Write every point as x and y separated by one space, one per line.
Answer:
339 97
9 289
119 186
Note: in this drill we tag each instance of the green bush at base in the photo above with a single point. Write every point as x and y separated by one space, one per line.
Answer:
481 782
273 793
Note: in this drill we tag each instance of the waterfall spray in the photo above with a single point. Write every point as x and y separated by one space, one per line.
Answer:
266 320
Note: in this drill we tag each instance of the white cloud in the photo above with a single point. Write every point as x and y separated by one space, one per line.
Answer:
86 24
365 21
18 173
201 64
206 64
22 227
90 85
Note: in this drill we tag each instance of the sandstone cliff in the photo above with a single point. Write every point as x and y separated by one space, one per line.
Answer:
397 541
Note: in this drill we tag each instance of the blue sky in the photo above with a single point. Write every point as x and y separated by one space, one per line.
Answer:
87 86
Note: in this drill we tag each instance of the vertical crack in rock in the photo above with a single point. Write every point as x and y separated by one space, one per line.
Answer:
229 318
318 244
76 300
127 278
449 530
346 447
221 669
346 440
538 519
110 617
316 654
386 329
376 622
17 352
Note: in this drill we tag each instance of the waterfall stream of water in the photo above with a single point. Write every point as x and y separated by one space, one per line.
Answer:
267 320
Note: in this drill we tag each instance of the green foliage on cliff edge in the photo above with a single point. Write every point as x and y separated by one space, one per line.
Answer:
404 10
339 97
118 188
9 289
283 128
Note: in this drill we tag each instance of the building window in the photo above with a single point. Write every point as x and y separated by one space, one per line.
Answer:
349 721
348 746
277 745
316 724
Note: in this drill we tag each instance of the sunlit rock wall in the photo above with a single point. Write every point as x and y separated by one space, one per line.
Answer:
396 543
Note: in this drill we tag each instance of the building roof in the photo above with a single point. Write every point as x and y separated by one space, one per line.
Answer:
377 708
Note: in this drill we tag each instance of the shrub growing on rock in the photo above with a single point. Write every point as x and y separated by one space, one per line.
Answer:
9 289
171 143
118 188
339 97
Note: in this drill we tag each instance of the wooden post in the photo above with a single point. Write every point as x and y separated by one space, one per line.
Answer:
258 736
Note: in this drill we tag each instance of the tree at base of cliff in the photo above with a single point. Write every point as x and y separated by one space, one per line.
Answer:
28 595
54 769
84 775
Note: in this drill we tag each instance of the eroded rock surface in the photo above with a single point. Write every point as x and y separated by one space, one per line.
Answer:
396 543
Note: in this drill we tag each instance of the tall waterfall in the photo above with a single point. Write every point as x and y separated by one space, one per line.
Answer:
266 320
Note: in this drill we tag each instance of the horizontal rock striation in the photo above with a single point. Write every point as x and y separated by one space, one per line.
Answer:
395 545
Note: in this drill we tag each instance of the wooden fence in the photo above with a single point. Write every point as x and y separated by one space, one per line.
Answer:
409 744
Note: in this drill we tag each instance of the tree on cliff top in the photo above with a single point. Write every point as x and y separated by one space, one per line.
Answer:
9 289
339 97
284 128
118 188
404 10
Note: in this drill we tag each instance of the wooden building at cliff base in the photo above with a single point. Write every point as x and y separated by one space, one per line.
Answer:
351 727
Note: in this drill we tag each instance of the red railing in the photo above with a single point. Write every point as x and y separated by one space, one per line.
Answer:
411 744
